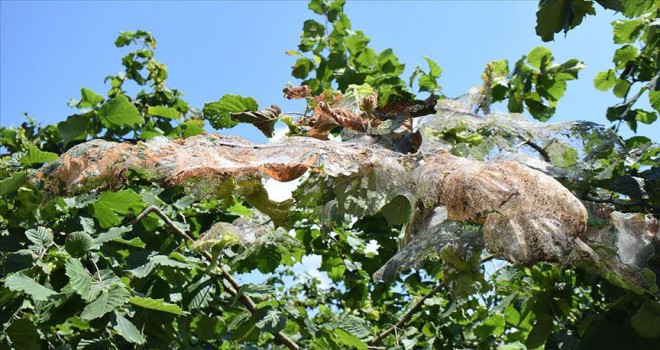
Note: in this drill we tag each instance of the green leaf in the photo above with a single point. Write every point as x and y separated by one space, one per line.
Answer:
127 330
637 141
269 319
621 88
113 234
397 211
36 156
539 57
256 290
350 340
219 113
162 111
354 325
24 335
624 55
434 70
268 258
554 16
654 99
41 236
645 117
646 320
605 80
74 128
540 332
156 304
493 325
302 67
12 183
209 328
19 282
239 209
78 243
110 299
89 99
111 207
264 120
79 279
119 112
634 8
627 31
320 7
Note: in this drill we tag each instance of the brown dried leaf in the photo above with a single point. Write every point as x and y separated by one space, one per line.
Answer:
264 119
415 108
297 92
328 118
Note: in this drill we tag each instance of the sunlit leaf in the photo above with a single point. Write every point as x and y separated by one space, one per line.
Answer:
219 113
119 111
108 300
162 111
35 156
561 15
605 80
19 282
12 183
111 207
128 331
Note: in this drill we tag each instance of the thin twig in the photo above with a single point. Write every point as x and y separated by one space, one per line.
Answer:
406 318
408 314
612 201
234 286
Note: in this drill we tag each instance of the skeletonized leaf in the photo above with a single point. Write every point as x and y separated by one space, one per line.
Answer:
269 319
296 92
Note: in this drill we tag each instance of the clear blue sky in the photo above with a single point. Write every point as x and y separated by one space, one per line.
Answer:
50 49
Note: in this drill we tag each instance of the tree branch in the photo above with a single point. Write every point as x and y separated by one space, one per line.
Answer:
408 316
234 285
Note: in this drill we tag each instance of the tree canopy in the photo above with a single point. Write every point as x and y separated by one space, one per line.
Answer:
125 224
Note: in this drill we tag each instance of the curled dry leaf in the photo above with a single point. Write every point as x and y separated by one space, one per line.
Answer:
328 118
264 119
415 108
297 92
369 104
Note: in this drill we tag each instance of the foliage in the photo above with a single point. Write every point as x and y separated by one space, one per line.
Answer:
103 268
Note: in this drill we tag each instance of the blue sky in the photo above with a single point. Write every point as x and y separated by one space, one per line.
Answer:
50 49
